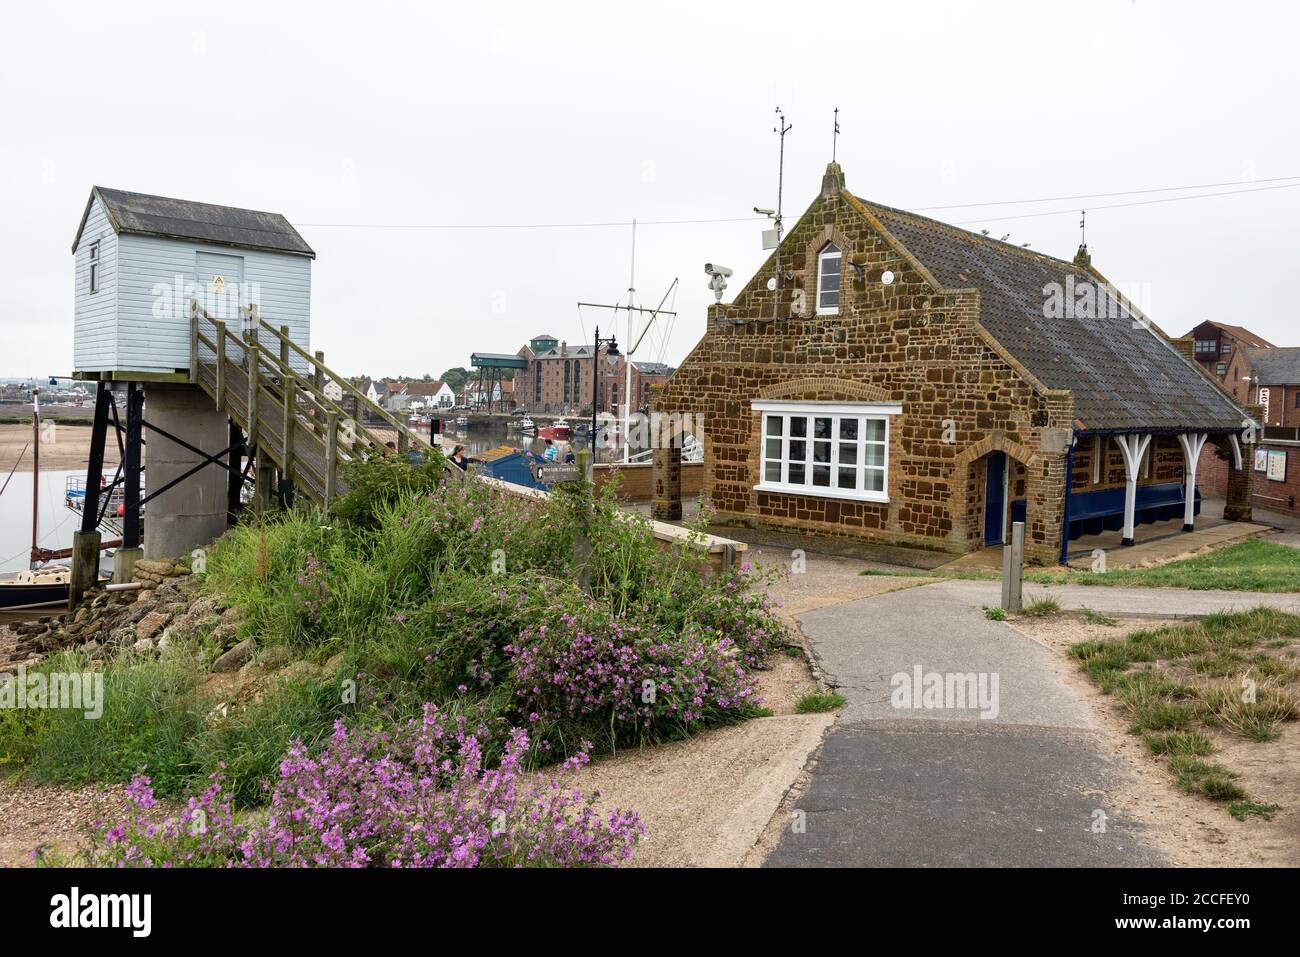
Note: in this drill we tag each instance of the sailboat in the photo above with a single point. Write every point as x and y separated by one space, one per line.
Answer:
34 587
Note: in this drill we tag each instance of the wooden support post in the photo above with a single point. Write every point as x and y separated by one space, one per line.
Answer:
235 477
290 419
331 455
317 376
194 346
403 443
85 566
1133 447
284 351
1192 446
263 483
254 433
1013 569
221 366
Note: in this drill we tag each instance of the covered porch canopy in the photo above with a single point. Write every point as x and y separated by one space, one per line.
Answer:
1091 511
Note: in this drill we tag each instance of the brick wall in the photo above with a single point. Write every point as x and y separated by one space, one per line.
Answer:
962 395
1214 473
636 481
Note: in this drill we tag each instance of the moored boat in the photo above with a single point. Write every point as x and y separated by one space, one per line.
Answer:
34 588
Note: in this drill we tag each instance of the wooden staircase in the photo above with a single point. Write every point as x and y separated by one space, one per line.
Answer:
274 390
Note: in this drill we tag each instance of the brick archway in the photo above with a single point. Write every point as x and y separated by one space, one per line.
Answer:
825 389
967 525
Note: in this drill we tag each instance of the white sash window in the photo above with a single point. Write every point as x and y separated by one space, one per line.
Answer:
830 449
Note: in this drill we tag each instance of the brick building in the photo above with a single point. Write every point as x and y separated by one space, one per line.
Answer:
558 378
1269 380
917 384
1215 343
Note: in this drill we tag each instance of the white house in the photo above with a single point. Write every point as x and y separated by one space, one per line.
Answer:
431 394
139 260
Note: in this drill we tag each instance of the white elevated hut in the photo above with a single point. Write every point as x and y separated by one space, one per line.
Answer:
140 259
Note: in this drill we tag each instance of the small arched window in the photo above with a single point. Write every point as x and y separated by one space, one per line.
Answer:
828 280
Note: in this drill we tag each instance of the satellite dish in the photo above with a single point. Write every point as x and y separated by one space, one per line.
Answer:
771 284
887 277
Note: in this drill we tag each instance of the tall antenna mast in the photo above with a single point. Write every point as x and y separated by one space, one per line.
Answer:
627 358
835 137
780 129
1083 227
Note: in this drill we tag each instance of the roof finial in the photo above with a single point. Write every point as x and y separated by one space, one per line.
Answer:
836 136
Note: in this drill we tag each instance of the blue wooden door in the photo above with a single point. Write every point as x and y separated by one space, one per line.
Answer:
995 498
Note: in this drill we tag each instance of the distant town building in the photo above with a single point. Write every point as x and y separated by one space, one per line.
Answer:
559 378
1269 378
1215 343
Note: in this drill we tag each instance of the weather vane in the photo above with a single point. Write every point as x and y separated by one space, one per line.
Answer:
836 136
1083 227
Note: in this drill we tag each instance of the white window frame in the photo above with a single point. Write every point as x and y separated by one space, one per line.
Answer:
94 267
829 251
836 411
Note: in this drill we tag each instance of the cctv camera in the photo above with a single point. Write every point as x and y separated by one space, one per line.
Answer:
764 212
714 269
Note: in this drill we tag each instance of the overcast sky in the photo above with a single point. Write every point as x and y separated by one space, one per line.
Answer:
474 115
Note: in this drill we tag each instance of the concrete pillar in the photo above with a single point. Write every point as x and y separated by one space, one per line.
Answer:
191 513
666 473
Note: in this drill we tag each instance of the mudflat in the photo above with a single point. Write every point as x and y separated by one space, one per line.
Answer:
62 447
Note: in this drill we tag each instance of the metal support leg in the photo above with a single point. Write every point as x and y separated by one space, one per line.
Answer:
126 557
86 542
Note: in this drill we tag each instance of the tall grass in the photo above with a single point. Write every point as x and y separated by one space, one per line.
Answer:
460 596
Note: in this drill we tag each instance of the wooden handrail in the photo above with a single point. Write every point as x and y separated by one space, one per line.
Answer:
402 429
299 400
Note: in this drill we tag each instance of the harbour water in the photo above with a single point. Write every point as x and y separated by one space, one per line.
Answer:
57 522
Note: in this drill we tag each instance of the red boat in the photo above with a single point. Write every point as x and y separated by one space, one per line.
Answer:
557 431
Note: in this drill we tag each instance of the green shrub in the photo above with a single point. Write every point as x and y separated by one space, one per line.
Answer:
383 480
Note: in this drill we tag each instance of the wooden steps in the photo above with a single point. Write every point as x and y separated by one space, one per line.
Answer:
275 391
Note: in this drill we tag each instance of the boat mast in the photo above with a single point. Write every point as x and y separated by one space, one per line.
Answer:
36 471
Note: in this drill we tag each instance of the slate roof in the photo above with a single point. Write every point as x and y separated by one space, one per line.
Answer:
1123 378
654 368
573 353
1244 334
1276 366
144 215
